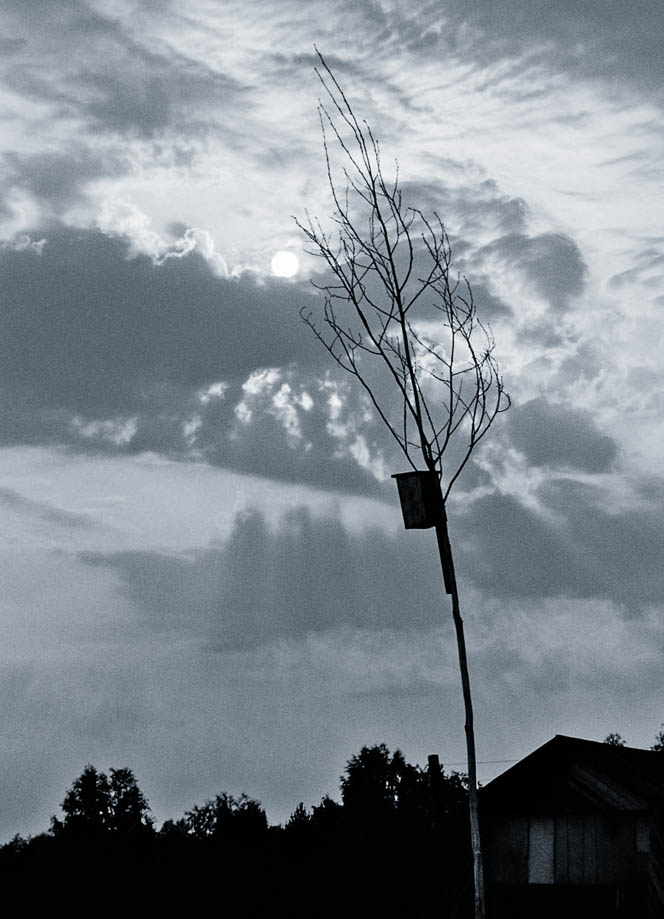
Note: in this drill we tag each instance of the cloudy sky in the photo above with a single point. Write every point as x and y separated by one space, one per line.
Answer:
205 573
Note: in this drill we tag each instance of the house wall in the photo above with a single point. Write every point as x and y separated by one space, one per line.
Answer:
590 849
505 846
600 849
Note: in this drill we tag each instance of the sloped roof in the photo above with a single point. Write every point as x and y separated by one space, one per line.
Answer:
569 774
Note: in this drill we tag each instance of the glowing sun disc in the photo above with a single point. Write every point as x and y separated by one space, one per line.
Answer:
285 264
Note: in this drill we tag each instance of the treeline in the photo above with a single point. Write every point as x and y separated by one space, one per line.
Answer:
395 845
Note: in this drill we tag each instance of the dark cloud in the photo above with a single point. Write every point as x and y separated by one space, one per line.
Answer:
622 548
152 93
560 436
59 179
103 352
606 40
114 81
489 306
87 330
264 447
583 547
508 550
309 575
551 262
478 205
584 363
610 41
477 210
544 332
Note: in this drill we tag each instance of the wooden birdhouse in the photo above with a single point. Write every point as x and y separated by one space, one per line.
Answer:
421 501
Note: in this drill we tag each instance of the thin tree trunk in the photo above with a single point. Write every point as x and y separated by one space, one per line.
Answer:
449 577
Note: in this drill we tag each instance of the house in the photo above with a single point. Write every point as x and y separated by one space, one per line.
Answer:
576 829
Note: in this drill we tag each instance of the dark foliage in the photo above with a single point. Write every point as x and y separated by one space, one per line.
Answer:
658 746
225 816
614 740
97 804
396 845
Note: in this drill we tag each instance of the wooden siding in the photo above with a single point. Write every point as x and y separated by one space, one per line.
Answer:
599 849
587 849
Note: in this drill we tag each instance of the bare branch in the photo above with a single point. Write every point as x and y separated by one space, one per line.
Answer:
393 303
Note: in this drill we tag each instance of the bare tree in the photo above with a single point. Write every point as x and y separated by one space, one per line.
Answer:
403 324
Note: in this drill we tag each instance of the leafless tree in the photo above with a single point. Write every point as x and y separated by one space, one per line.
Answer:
404 324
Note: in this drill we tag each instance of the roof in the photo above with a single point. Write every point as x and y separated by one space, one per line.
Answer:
569 774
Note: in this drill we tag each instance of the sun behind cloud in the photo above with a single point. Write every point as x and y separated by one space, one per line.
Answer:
285 264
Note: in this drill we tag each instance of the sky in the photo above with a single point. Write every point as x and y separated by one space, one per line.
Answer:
205 572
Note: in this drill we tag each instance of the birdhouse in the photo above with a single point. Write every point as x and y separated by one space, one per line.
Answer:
419 493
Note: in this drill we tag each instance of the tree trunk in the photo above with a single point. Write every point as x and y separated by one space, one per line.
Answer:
449 577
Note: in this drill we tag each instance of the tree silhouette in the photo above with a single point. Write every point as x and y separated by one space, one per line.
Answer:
376 783
299 821
327 817
129 811
87 804
224 816
614 740
96 804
